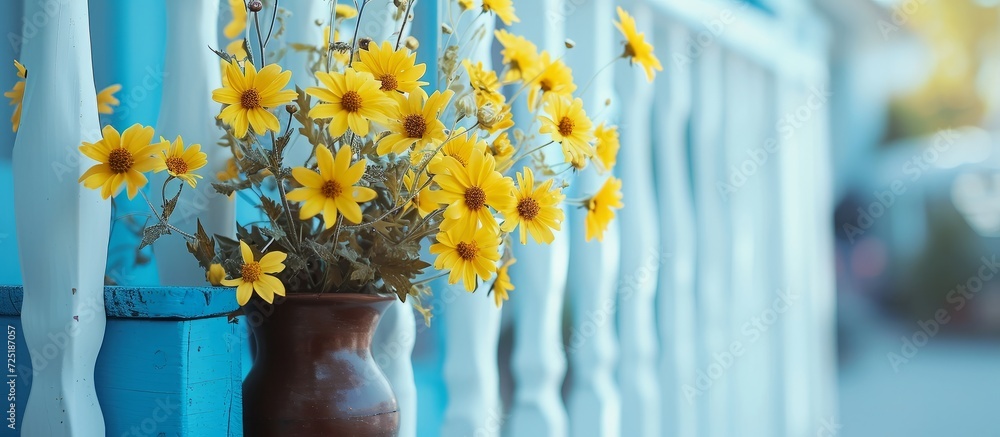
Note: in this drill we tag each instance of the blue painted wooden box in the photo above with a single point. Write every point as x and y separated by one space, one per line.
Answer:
170 365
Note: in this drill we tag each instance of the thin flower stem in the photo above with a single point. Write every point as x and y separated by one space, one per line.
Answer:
402 27
432 278
168 225
591 81
528 153
274 14
357 27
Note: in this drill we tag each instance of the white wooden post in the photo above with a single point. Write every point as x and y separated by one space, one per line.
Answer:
472 322
676 312
301 28
538 363
10 24
62 227
190 73
795 325
594 405
640 252
713 272
749 173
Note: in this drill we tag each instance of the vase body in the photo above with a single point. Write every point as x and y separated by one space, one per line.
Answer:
313 373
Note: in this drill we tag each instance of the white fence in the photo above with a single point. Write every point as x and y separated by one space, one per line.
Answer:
708 309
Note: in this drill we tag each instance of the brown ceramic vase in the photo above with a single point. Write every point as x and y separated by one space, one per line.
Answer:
313 372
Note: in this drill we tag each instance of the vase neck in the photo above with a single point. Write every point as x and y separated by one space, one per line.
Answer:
304 327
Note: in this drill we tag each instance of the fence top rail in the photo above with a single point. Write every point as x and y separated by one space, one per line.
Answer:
146 302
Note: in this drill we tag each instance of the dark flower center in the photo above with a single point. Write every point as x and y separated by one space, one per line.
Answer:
566 126
528 208
176 165
475 198
467 251
120 160
351 101
250 99
415 126
331 189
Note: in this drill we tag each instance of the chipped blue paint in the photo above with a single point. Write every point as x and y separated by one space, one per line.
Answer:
172 363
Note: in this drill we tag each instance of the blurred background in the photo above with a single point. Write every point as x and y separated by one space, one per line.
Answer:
917 182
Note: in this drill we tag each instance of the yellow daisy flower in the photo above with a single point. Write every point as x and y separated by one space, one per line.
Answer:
397 70
503 284
467 257
16 95
502 151
345 12
503 8
470 191
248 95
518 53
423 201
484 82
549 77
238 25
636 48
465 4
415 123
492 111
536 210
331 190
568 125
494 118
601 208
352 99
215 274
231 172
606 148
122 158
255 276
460 147
180 162
106 99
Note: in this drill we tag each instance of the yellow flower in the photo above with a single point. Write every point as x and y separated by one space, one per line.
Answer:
238 25
503 284
503 8
331 190
215 274
465 4
121 159
606 149
502 151
415 123
395 69
494 118
636 48
16 95
345 12
106 99
601 208
236 49
470 191
568 125
460 147
484 82
549 77
518 53
423 201
231 172
492 111
180 162
248 95
352 99
537 210
254 276
467 256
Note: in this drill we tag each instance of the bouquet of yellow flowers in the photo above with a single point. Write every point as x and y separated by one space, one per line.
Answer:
393 165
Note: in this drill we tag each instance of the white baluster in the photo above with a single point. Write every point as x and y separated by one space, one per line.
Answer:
301 28
538 364
795 325
676 310
392 349
472 322
191 72
713 244
749 170
640 252
62 227
594 404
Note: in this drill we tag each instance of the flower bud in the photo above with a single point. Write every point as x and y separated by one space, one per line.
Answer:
255 6
569 43
412 43
446 29
363 43
291 109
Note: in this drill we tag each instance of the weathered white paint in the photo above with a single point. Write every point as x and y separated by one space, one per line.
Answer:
594 404
676 306
62 227
713 271
538 364
472 322
190 73
640 252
